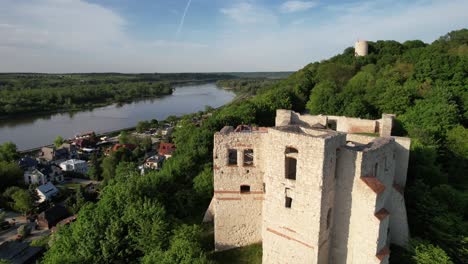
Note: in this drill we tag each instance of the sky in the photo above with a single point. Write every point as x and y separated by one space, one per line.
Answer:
132 36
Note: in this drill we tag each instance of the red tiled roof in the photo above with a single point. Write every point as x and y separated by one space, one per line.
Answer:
166 148
375 184
381 214
119 146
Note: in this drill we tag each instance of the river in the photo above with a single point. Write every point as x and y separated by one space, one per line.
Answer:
37 130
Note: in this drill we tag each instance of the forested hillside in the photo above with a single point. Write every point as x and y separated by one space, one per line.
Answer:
22 93
154 218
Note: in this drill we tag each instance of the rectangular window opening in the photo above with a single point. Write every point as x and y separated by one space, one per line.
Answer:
290 167
232 157
248 157
288 202
245 189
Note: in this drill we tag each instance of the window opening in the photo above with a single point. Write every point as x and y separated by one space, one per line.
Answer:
288 202
245 188
290 150
248 157
290 166
232 157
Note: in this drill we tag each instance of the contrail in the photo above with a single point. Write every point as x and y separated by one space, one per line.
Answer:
181 25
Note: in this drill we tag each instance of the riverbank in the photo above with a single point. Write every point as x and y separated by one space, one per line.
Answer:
31 131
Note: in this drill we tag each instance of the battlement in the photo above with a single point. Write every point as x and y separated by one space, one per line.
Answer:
312 189
382 127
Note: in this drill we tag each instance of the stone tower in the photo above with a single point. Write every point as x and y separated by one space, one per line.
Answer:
311 194
361 48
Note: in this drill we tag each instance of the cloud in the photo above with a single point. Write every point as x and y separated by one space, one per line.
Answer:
297 6
78 36
247 13
292 47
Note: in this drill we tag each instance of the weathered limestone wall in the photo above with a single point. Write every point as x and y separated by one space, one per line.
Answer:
402 151
363 139
238 216
364 227
283 117
345 176
356 125
347 198
386 125
332 144
308 120
361 48
290 235
372 203
399 229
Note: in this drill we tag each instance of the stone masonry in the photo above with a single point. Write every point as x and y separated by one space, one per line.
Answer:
312 189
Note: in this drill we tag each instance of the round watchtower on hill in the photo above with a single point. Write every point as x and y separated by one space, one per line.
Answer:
361 48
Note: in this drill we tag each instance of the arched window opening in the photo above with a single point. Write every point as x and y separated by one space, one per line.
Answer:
290 150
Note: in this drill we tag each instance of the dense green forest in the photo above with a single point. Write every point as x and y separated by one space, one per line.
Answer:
28 93
155 218
247 87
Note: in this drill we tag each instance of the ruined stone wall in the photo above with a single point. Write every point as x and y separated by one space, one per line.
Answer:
283 117
402 151
332 145
386 125
290 235
371 203
399 229
356 125
345 178
345 196
238 216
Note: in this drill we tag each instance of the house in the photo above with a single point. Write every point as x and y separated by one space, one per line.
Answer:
26 163
50 217
65 151
116 147
311 194
72 150
17 252
86 140
46 192
154 162
166 149
127 146
42 174
86 135
74 165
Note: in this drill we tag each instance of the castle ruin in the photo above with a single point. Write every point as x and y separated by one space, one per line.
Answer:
361 48
312 189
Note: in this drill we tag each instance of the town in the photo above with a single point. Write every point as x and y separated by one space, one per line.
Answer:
58 179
